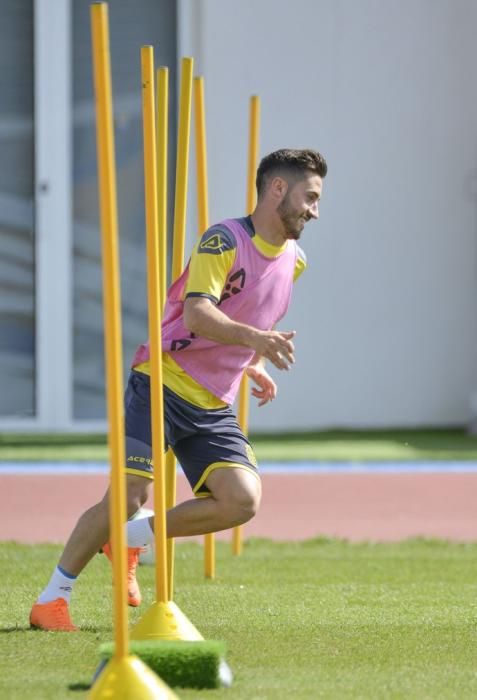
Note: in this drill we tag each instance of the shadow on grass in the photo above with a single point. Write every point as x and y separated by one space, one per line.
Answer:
23 628
325 541
79 686
26 628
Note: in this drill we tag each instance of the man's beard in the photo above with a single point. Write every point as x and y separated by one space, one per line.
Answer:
292 222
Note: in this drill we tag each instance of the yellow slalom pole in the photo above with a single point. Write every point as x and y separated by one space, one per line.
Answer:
251 202
180 210
201 155
163 620
112 315
203 225
253 148
155 315
182 167
124 675
161 157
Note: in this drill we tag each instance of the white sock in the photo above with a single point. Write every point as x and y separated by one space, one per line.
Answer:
139 532
60 586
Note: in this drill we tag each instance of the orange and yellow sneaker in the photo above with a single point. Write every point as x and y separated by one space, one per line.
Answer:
134 593
53 616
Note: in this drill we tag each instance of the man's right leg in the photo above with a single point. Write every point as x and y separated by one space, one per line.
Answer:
89 535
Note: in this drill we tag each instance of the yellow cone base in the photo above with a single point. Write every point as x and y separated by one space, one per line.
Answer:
129 678
165 621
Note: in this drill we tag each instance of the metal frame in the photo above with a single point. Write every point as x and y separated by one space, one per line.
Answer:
53 213
52 219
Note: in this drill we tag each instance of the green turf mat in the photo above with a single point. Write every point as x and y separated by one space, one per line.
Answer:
179 664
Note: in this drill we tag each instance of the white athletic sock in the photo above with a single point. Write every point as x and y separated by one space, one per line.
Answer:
60 586
139 532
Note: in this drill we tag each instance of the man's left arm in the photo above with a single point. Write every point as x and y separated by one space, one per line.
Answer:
265 389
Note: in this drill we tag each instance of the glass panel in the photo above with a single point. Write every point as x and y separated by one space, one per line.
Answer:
132 25
17 270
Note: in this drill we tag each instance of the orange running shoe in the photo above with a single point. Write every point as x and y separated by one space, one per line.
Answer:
53 616
134 594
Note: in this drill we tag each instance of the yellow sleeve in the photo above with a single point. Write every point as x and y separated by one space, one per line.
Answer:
300 264
210 263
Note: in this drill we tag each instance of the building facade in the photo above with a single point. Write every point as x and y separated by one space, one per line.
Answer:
386 313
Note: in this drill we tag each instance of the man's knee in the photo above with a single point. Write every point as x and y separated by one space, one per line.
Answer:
246 500
243 506
237 492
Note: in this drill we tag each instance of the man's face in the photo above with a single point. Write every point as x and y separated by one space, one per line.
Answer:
300 204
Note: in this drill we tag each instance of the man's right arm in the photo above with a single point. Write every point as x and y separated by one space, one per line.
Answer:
202 317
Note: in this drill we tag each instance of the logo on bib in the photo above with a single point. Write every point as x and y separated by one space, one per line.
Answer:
235 284
251 455
214 244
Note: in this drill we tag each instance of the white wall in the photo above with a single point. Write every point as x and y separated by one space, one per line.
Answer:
386 89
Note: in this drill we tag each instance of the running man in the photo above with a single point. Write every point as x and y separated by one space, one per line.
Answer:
218 322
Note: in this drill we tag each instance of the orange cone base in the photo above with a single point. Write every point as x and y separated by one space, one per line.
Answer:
165 621
128 678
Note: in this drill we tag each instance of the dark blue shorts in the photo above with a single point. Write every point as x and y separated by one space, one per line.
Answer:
201 439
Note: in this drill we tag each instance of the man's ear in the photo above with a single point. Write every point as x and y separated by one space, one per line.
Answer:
278 188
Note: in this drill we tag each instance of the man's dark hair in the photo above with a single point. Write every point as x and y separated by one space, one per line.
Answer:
290 163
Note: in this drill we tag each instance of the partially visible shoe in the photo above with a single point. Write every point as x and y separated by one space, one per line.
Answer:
53 616
134 593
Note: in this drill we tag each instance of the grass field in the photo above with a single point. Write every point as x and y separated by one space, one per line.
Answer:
347 446
317 619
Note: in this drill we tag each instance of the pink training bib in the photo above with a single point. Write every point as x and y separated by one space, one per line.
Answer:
257 293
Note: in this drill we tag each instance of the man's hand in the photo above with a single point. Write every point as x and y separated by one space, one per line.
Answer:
275 346
204 318
267 389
